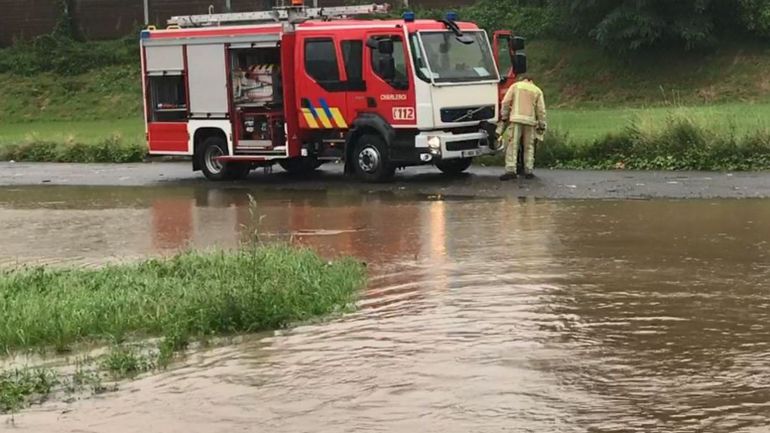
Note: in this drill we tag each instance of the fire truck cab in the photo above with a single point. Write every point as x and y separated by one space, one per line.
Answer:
301 87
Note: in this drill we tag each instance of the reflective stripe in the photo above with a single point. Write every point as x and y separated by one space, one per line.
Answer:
309 118
338 118
321 114
517 101
328 113
322 117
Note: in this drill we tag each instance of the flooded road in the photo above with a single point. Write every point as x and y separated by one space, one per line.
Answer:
481 315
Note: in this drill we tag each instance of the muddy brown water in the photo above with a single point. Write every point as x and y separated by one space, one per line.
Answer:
481 315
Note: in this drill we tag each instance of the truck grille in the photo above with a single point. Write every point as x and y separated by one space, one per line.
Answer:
467 114
454 146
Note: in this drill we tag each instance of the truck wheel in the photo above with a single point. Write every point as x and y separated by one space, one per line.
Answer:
212 148
454 166
299 166
370 159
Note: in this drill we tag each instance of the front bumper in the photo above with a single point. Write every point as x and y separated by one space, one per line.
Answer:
441 145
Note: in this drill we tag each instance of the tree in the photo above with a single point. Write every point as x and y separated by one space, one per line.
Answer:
635 24
756 16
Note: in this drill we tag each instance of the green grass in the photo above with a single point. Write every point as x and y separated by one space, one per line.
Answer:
679 141
191 296
83 131
20 386
583 125
107 94
123 362
24 386
187 296
112 149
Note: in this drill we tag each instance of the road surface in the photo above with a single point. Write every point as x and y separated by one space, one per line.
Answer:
479 182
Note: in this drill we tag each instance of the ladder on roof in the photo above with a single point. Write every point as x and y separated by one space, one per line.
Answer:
291 14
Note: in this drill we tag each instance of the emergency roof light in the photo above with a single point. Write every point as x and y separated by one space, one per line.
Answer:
409 16
299 3
451 16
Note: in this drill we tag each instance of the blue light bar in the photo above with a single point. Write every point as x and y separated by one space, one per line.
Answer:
145 34
451 16
409 16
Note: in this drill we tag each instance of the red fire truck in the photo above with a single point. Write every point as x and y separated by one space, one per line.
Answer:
303 86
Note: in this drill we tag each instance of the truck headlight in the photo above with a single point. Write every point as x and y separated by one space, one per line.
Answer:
434 142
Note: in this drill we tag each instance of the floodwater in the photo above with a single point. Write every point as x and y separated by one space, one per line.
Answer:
481 315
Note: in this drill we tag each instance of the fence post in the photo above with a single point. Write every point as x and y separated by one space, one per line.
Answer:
146 12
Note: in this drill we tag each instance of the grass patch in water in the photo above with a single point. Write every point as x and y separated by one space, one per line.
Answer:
126 362
20 386
191 295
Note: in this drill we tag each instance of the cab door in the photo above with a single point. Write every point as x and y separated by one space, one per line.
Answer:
387 71
321 84
504 58
357 96
510 58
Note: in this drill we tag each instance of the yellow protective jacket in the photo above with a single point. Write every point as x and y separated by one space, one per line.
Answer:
524 104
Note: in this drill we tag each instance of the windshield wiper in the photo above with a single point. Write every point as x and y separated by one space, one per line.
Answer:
461 37
464 79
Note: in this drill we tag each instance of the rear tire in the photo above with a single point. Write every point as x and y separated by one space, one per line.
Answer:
214 170
370 159
453 167
300 166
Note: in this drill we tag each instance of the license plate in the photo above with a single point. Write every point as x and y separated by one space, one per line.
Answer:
470 153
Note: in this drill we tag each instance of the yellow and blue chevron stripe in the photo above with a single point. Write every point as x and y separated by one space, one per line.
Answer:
325 117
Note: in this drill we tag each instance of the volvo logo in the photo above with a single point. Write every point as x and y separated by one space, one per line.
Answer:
469 114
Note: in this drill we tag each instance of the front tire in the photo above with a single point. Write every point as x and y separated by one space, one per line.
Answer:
453 167
370 159
215 170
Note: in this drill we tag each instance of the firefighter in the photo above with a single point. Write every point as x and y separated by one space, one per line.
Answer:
523 122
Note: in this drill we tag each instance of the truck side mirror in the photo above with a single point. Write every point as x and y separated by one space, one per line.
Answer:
383 45
517 43
520 63
387 67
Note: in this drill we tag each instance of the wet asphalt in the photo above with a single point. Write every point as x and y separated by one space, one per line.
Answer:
478 182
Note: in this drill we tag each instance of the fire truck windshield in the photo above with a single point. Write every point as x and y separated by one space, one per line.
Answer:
451 61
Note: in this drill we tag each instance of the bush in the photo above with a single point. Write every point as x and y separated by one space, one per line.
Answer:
524 17
521 17
112 149
680 143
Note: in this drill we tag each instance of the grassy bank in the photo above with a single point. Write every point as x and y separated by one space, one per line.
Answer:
112 149
192 296
677 142
187 296
728 136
